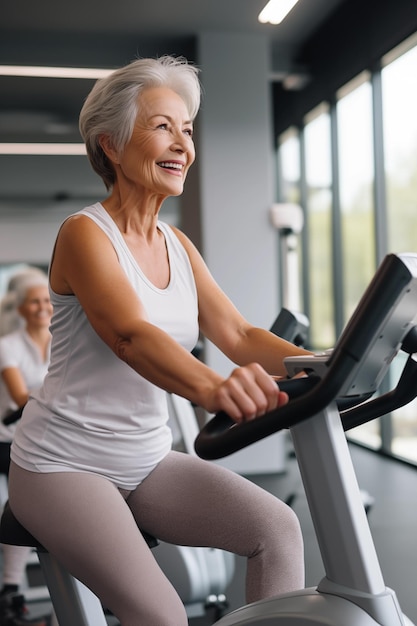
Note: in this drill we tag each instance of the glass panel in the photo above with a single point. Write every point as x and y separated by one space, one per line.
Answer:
290 191
356 175
289 153
399 88
319 204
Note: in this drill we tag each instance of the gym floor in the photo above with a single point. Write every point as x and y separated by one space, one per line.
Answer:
392 518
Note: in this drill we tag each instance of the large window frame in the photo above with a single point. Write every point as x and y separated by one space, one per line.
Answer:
380 435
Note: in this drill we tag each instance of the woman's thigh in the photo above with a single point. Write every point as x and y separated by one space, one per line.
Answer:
188 501
192 502
84 520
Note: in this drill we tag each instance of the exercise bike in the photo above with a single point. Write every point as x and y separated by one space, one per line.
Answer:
200 575
336 394
330 399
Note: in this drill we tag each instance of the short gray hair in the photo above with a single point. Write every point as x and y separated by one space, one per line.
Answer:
17 289
23 281
111 107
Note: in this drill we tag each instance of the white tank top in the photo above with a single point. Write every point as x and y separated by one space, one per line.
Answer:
94 413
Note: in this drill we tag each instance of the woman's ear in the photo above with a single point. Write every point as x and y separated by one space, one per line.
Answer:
108 149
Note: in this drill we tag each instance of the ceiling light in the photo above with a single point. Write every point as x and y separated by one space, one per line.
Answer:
275 11
57 149
61 149
53 72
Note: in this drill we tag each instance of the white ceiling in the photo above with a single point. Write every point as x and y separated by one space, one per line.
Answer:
110 33
163 18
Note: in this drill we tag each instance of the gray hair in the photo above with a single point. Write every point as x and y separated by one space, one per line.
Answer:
111 107
23 281
17 289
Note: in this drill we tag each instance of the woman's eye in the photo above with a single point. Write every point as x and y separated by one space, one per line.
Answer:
188 131
162 126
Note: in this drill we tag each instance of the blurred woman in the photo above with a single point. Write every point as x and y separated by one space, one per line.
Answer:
24 359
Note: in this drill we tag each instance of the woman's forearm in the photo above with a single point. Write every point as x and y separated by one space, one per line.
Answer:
15 385
263 347
160 359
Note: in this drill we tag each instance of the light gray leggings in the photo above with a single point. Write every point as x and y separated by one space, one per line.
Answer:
84 520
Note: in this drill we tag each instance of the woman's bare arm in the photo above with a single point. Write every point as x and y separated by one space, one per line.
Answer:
222 323
85 264
16 386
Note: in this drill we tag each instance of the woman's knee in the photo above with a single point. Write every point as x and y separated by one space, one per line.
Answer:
279 532
293 526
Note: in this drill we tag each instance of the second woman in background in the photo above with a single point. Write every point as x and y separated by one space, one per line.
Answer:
24 359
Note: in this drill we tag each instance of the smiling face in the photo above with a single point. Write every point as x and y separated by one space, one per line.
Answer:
36 308
161 149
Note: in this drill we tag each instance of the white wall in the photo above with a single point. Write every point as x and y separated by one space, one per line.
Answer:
28 234
28 228
236 174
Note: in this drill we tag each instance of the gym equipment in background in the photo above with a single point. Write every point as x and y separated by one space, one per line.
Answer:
288 219
292 326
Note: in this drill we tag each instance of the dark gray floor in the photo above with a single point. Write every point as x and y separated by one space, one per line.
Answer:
392 519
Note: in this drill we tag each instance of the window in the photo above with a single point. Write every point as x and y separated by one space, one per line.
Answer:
289 166
399 101
356 177
290 244
319 209
399 90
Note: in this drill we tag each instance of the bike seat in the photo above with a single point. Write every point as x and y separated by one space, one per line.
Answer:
13 533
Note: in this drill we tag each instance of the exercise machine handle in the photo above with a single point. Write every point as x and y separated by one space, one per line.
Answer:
221 436
356 367
404 392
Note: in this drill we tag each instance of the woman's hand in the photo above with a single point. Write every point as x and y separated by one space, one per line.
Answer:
249 392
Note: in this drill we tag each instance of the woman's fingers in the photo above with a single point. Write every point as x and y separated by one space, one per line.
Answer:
249 392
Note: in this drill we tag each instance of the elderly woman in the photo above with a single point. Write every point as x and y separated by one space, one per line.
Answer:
92 457
24 359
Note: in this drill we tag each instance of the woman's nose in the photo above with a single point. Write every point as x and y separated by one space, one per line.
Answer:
179 140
